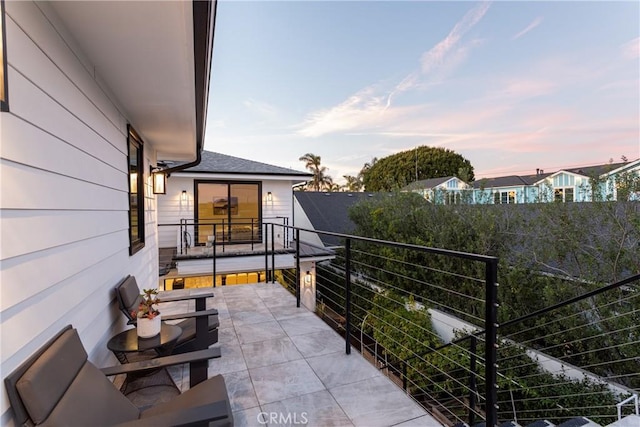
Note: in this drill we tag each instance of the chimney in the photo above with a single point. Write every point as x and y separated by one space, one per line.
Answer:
538 171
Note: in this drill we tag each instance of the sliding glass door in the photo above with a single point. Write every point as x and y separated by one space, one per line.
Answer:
233 207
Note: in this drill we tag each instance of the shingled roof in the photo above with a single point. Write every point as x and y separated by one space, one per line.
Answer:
504 181
330 211
222 163
428 183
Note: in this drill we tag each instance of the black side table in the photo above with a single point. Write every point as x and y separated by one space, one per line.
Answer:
128 342
127 347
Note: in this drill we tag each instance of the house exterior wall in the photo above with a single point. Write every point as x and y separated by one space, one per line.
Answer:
172 207
554 187
301 220
64 196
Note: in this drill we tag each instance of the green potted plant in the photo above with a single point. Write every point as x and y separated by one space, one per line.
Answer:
148 315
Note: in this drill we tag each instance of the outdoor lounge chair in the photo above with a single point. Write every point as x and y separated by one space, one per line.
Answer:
58 386
128 295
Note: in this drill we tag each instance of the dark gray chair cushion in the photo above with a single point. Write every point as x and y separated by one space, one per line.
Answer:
212 390
92 400
58 386
42 386
61 385
128 295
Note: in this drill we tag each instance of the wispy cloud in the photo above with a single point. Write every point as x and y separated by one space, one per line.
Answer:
359 110
437 55
447 54
631 49
370 107
528 28
260 108
524 88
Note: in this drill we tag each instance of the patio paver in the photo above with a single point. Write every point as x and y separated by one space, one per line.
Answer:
284 366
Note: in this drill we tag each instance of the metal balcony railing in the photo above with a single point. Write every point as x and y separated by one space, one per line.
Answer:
395 301
429 318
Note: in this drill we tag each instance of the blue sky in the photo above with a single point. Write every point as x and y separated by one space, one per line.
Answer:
512 86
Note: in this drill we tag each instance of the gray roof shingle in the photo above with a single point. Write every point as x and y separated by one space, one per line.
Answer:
428 183
222 163
330 211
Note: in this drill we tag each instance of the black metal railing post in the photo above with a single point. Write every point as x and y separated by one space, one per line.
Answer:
252 235
472 380
405 382
298 268
286 232
213 250
181 236
347 326
273 254
266 252
491 343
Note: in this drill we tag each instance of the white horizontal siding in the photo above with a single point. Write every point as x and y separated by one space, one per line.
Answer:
46 59
27 187
32 146
63 195
34 231
172 208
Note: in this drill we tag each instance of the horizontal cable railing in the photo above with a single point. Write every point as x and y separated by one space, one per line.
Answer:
579 357
395 303
427 318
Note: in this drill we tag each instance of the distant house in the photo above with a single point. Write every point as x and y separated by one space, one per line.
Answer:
566 185
446 190
228 199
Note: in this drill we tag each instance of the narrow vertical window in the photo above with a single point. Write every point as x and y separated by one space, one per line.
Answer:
4 102
136 192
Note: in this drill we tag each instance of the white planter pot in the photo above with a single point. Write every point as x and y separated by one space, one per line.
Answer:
148 328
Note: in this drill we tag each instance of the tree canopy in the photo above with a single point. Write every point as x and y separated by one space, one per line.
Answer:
397 170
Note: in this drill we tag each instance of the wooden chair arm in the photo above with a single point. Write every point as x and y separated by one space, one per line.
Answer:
162 362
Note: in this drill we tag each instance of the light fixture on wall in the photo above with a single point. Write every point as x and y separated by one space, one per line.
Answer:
184 195
159 180
307 279
4 103
269 196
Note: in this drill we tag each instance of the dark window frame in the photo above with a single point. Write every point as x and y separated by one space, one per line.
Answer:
4 101
136 243
228 183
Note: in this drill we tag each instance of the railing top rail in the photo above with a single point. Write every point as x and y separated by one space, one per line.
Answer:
208 222
464 255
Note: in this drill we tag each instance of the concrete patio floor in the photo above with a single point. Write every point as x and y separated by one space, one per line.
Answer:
284 366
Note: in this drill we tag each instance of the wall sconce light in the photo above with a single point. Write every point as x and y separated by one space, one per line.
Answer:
4 104
307 279
159 180
184 195
269 196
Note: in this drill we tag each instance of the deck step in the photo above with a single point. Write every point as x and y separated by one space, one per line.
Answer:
541 423
628 421
579 422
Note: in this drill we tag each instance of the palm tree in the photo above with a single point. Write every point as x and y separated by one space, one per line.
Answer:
320 178
354 183
333 187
